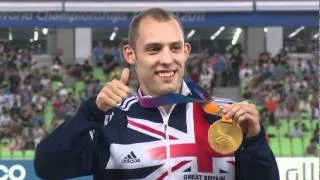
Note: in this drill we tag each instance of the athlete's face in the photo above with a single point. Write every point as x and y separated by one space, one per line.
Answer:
159 56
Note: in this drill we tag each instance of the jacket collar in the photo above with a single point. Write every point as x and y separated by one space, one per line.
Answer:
184 91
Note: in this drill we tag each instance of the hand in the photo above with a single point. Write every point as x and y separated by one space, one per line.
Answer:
113 92
246 115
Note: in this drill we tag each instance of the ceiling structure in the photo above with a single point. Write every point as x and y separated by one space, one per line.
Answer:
200 33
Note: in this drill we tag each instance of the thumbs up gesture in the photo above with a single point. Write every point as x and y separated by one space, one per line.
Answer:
113 92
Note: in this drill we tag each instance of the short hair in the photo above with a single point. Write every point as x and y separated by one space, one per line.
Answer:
157 14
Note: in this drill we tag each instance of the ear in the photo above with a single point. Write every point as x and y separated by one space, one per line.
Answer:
128 53
187 49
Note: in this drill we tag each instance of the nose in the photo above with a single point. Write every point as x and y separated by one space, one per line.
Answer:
166 56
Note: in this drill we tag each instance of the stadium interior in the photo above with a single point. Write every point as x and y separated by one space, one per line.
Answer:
44 77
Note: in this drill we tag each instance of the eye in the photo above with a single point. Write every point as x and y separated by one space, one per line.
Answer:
153 49
176 48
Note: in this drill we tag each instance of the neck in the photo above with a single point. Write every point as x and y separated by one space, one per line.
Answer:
167 107
145 92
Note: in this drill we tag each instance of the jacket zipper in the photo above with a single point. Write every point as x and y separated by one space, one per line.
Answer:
165 117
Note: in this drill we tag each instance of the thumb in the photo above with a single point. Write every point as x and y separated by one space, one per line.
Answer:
125 75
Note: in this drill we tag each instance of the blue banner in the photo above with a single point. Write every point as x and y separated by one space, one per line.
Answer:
289 168
189 20
17 170
21 170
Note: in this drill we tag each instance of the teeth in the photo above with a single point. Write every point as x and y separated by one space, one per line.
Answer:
166 74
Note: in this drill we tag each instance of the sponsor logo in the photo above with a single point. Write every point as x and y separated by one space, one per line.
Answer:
300 168
301 173
15 172
130 158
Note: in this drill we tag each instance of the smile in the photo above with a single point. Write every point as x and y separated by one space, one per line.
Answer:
166 74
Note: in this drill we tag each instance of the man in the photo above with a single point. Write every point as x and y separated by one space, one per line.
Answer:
113 137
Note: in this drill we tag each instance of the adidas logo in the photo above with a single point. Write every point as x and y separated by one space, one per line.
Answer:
130 158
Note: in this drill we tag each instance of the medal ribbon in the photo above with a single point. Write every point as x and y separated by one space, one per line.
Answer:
222 143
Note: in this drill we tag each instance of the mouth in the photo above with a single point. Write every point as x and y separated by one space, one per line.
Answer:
166 74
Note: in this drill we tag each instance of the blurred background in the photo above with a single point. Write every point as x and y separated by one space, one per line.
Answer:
55 54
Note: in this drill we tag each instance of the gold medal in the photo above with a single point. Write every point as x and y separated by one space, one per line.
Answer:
224 137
